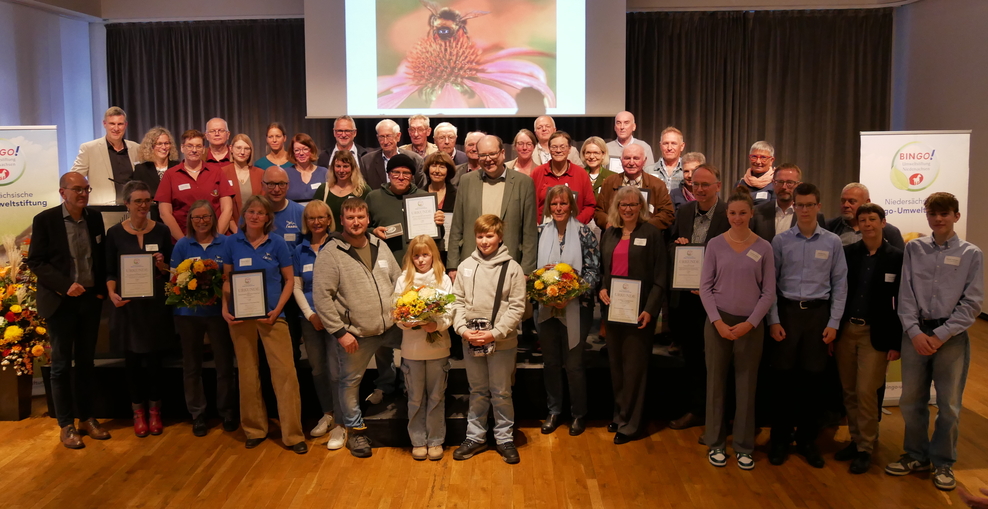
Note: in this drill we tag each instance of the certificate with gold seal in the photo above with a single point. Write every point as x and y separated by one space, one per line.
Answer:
247 290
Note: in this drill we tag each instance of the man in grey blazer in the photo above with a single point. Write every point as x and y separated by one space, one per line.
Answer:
373 165
108 162
776 216
479 193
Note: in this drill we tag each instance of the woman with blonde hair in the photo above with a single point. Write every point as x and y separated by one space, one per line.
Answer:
157 153
246 179
595 156
524 145
342 181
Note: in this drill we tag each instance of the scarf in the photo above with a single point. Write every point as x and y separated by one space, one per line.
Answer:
570 252
760 181
688 194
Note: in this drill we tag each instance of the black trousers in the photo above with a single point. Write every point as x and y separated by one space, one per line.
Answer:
798 373
629 350
686 321
73 331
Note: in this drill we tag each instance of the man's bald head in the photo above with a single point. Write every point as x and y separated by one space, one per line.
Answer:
624 126
275 181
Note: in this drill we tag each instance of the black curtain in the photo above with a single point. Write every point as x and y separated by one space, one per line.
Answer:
806 81
251 73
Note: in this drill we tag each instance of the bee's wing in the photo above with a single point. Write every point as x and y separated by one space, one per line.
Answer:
472 14
432 6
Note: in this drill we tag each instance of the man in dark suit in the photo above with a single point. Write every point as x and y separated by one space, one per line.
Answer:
870 332
846 224
696 223
66 254
344 130
374 164
776 216
496 190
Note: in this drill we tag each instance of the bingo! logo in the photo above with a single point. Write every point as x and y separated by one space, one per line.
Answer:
11 162
914 167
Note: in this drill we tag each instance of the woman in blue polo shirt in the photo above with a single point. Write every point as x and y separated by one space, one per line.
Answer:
203 243
253 249
317 222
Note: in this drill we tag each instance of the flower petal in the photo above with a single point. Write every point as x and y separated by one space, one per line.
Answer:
450 97
521 81
515 52
516 66
493 97
398 95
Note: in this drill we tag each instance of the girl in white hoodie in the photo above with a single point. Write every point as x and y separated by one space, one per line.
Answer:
425 363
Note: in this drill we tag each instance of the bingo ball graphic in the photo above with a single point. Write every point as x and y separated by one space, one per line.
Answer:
915 167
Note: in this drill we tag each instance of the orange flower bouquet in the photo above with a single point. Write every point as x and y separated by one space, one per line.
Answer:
555 284
23 337
195 283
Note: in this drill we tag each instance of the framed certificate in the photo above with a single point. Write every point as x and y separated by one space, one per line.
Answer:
625 297
247 291
420 216
137 276
687 266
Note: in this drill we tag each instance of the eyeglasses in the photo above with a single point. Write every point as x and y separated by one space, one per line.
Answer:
417 130
805 205
755 157
202 219
786 183
217 131
629 205
80 190
524 144
703 185
559 150
303 150
400 175
386 136
275 185
255 213
142 201
193 148
446 137
344 131
163 144
318 218
491 155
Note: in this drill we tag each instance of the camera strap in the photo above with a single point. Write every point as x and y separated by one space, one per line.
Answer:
497 294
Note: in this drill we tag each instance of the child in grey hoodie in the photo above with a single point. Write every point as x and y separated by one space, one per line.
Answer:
478 297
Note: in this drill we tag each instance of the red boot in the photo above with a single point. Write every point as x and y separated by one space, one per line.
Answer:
140 422
155 420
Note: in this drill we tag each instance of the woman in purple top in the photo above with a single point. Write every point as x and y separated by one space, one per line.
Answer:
737 289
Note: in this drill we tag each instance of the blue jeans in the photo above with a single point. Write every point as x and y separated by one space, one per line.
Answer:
947 370
426 382
320 347
73 330
490 385
352 367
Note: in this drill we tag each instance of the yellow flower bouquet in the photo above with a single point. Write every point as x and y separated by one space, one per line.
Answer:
195 283
23 337
555 284
420 305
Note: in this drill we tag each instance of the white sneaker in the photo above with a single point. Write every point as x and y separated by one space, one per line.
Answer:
324 425
375 397
337 438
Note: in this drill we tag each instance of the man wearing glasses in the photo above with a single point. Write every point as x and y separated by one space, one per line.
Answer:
811 277
473 156
760 173
108 162
418 132
344 131
846 224
287 213
192 180
218 134
66 254
776 216
659 204
446 142
374 164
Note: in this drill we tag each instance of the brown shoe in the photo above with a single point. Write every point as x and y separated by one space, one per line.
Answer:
92 428
70 438
687 421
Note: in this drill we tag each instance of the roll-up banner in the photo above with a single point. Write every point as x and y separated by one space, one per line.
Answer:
902 168
28 175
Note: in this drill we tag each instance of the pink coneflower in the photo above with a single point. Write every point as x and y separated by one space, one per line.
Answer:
455 73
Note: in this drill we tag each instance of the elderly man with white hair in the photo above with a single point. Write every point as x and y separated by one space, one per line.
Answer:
446 141
544 127
419 130
846 224
374 163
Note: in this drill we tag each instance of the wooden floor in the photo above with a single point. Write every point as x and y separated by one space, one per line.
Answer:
666 469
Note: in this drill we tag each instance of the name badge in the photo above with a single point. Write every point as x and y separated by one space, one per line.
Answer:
382 263
184 187
315 185
822 255
467 272
753 255
153 248
246 262
889 278
761 195
231 183
290 237
640 242
952 260
307 267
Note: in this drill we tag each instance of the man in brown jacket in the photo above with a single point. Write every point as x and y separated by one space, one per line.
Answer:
659 203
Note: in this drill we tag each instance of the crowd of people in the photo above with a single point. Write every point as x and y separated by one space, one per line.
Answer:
782 289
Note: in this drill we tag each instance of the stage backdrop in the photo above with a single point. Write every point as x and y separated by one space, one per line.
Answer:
28 175
902 168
